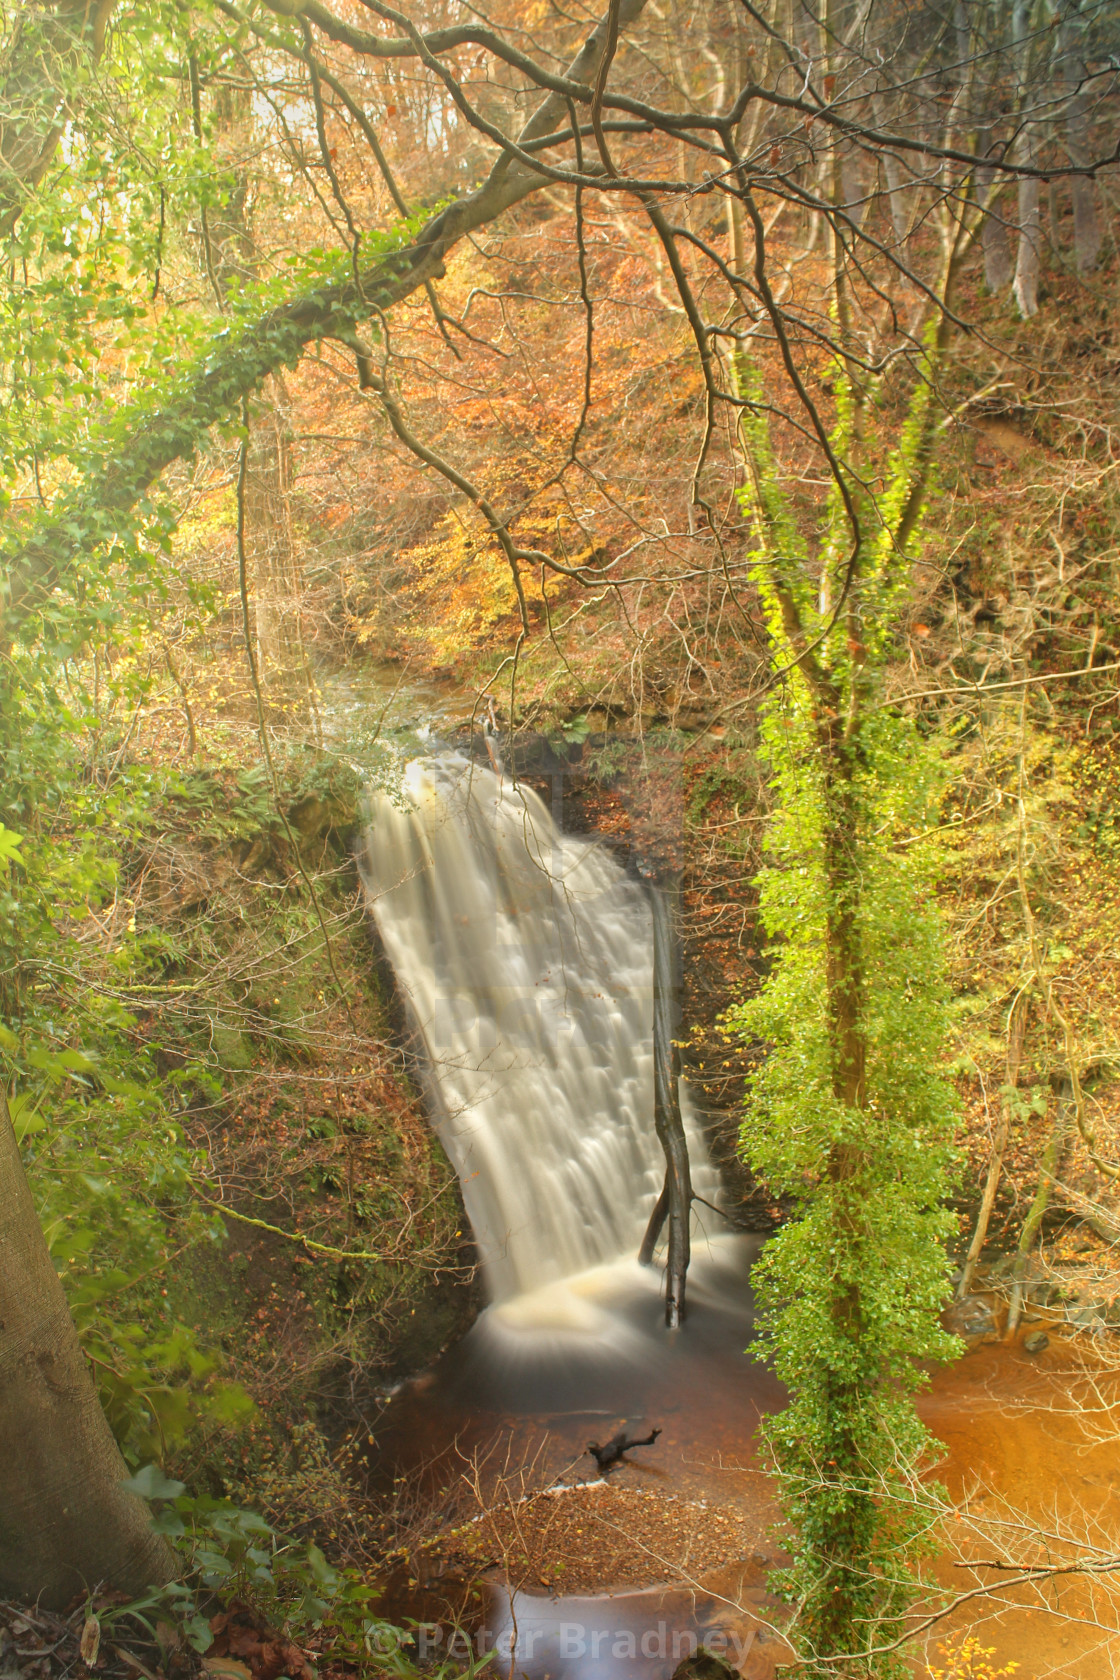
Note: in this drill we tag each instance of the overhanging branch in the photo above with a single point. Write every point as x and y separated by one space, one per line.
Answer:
41 557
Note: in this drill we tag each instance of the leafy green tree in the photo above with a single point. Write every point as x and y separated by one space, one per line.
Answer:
847 1114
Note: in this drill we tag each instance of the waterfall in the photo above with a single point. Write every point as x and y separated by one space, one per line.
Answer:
525 956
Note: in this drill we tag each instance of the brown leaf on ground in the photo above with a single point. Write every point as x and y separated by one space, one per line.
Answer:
595 1538
240 1634
90 1642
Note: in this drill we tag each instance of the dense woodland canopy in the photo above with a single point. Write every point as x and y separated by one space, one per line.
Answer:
718 396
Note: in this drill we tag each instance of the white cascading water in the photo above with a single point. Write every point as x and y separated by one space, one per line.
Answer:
525 955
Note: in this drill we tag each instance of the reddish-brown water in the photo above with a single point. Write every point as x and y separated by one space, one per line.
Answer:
513 1414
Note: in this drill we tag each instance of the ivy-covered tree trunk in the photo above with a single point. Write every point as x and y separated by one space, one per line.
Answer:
849 1526
848 1116
66 1521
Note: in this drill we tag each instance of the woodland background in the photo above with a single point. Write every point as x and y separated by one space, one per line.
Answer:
255 535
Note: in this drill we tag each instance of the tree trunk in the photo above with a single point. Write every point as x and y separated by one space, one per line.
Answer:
275 594
53 45
1029 252
1086 219
66 1523
282 669
1048 1166
898 198
1028 259
675 1201
997 254
1016 1029
994 242
846 1534
1086 225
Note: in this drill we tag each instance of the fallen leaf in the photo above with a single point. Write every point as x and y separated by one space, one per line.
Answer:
90 1642
168 1637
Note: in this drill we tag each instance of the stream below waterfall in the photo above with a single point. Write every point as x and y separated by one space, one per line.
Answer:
523 957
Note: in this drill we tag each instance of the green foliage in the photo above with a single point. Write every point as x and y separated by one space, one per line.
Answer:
848 1114
112 1177
728 786
120 348
109 1163
849 1448
232 1551
573 732
82 965
124 1006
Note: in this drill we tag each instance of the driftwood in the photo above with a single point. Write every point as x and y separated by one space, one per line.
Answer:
610 1455
675 1200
